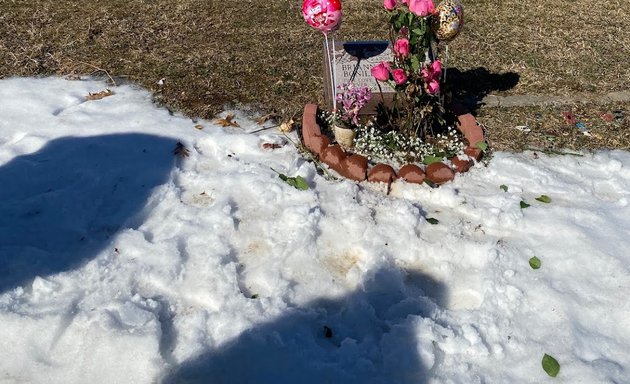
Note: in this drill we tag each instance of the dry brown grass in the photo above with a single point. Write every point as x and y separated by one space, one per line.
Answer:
549 131
214 53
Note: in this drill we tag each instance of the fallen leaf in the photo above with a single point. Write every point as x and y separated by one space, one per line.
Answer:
263 119
271 145
228 121
99 95
180 150
297 182
432 220
482 145
550 365
199 126
534 262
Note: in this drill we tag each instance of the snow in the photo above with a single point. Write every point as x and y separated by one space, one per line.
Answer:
121 263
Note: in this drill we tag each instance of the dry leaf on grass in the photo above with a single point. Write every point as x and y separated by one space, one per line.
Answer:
180 150
99 95
227 121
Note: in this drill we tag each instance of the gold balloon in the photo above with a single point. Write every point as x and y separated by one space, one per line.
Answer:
448 20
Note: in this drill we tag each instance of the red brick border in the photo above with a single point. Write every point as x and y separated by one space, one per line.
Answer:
355 167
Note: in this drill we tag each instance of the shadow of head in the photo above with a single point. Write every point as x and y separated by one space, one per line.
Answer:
61 204
471 86
367 336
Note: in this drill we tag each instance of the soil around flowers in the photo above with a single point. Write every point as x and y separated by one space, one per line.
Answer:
199 56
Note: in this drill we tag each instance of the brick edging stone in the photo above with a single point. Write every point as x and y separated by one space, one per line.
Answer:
356 167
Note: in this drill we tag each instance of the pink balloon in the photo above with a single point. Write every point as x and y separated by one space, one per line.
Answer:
324 15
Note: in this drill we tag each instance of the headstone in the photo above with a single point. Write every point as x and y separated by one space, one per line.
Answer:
353 62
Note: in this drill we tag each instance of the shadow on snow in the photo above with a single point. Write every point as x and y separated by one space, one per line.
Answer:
60 205
368 336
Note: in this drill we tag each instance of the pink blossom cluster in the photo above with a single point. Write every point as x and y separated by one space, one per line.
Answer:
419 7
431 76
401 48
352 99
384 72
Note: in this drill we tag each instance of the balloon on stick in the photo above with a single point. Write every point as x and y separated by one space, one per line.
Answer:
325 16
448 20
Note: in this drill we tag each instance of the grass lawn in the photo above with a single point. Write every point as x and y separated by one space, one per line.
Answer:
261 54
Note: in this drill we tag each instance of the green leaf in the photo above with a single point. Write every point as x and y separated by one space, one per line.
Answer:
544 199
504 187
300 183
296 182
432 220
534 262
415 63
431 159
481 145
550 365
524 204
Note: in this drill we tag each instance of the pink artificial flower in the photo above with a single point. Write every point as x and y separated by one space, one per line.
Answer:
437 68
401 47
381 71
400 77
433 87
389 4
431 76
421 7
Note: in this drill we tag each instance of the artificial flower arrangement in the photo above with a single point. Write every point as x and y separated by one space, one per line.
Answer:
345 119
415 127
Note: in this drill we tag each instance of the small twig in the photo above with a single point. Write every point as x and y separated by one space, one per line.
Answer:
101 70
265 128
553 152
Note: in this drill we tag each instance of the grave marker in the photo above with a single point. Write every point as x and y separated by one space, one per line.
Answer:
353 62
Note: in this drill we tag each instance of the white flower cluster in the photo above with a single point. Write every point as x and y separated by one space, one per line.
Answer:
398 148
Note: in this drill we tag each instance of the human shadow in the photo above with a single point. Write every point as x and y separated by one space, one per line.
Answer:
61 204
468 88
368 336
